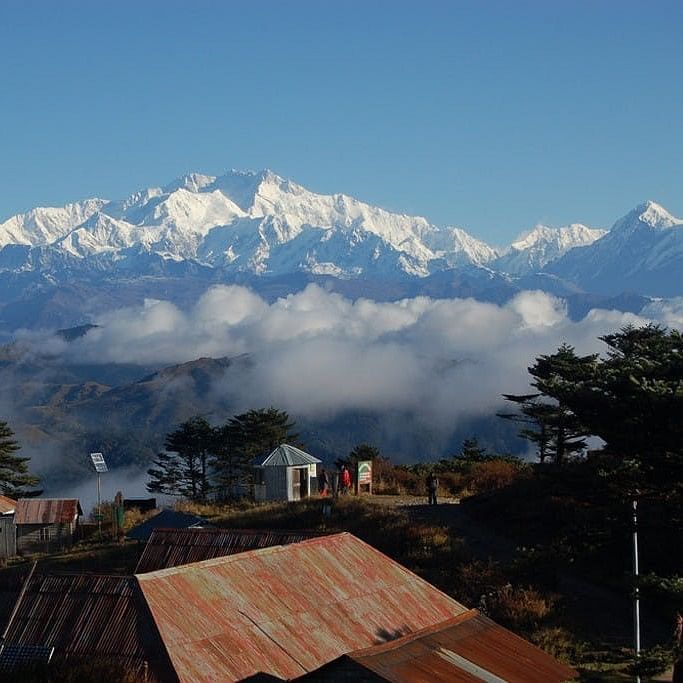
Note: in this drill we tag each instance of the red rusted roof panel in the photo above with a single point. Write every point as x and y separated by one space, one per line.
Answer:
462 649
84 616
7 505
47 510
286 610
173 547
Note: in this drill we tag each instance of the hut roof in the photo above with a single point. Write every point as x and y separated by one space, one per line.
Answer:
47 510
83 616
286 610
465 648
172 547
166 519
7 505
286 455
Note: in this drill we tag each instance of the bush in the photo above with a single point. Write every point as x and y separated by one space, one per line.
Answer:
560 643
522 609
493 474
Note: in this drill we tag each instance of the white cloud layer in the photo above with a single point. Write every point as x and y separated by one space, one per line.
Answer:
317 353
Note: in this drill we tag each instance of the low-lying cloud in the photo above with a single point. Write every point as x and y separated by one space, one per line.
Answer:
317 353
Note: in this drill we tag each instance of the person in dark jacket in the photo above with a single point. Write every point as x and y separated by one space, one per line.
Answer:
432 487
323 483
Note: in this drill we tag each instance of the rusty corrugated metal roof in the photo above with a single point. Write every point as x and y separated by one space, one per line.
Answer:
7 505
465 649
172 547
47 510
86 616
286 610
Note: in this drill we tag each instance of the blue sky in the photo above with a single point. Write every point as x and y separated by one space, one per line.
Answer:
489 115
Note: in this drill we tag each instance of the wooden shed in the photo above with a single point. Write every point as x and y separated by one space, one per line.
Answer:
288 473
8 529
44 524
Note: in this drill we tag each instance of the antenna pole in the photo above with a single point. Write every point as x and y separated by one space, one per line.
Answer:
99 509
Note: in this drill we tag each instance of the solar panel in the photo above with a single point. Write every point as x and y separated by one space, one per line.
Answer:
13 657
98 462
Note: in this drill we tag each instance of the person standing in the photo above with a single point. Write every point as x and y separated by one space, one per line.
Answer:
323 483
345 480
432 487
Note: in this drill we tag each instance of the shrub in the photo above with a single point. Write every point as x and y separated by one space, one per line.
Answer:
522 609
494 474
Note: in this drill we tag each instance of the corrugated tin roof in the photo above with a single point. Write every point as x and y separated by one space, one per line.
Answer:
47 510
286 610
172 547
7 505
467 648
166 519
286 455
84 616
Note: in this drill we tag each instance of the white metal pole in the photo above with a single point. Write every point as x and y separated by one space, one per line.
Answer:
99 509
636 592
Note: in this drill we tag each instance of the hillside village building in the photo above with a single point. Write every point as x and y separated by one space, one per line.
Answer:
8 529
45 524
288 473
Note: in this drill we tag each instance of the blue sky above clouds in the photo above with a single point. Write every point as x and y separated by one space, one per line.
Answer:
489 115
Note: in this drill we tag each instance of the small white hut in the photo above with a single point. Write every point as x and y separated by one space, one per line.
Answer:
288 473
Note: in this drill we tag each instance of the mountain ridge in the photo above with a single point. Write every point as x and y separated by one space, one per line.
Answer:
245 225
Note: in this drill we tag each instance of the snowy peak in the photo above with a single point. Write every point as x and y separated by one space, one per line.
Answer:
646 216
564 238
192 182
536 248
642 252
44 225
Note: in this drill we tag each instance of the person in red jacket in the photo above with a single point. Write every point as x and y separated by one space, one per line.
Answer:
345 480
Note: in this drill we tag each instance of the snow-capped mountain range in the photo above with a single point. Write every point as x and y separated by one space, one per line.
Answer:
250 222
261 224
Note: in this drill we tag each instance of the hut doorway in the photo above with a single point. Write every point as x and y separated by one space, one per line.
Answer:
300 483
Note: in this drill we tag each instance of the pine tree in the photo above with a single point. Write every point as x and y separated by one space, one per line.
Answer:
632 399
548 422
165 477
14 474
245 437
472 451
185 468
364 451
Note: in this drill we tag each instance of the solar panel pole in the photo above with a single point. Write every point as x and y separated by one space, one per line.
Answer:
100 466
99 509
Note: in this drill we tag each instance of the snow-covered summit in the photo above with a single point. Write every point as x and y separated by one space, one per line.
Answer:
251 221
649 216
534 249
642 252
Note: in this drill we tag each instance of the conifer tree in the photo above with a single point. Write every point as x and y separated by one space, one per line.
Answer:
185 468
14 474
245 437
